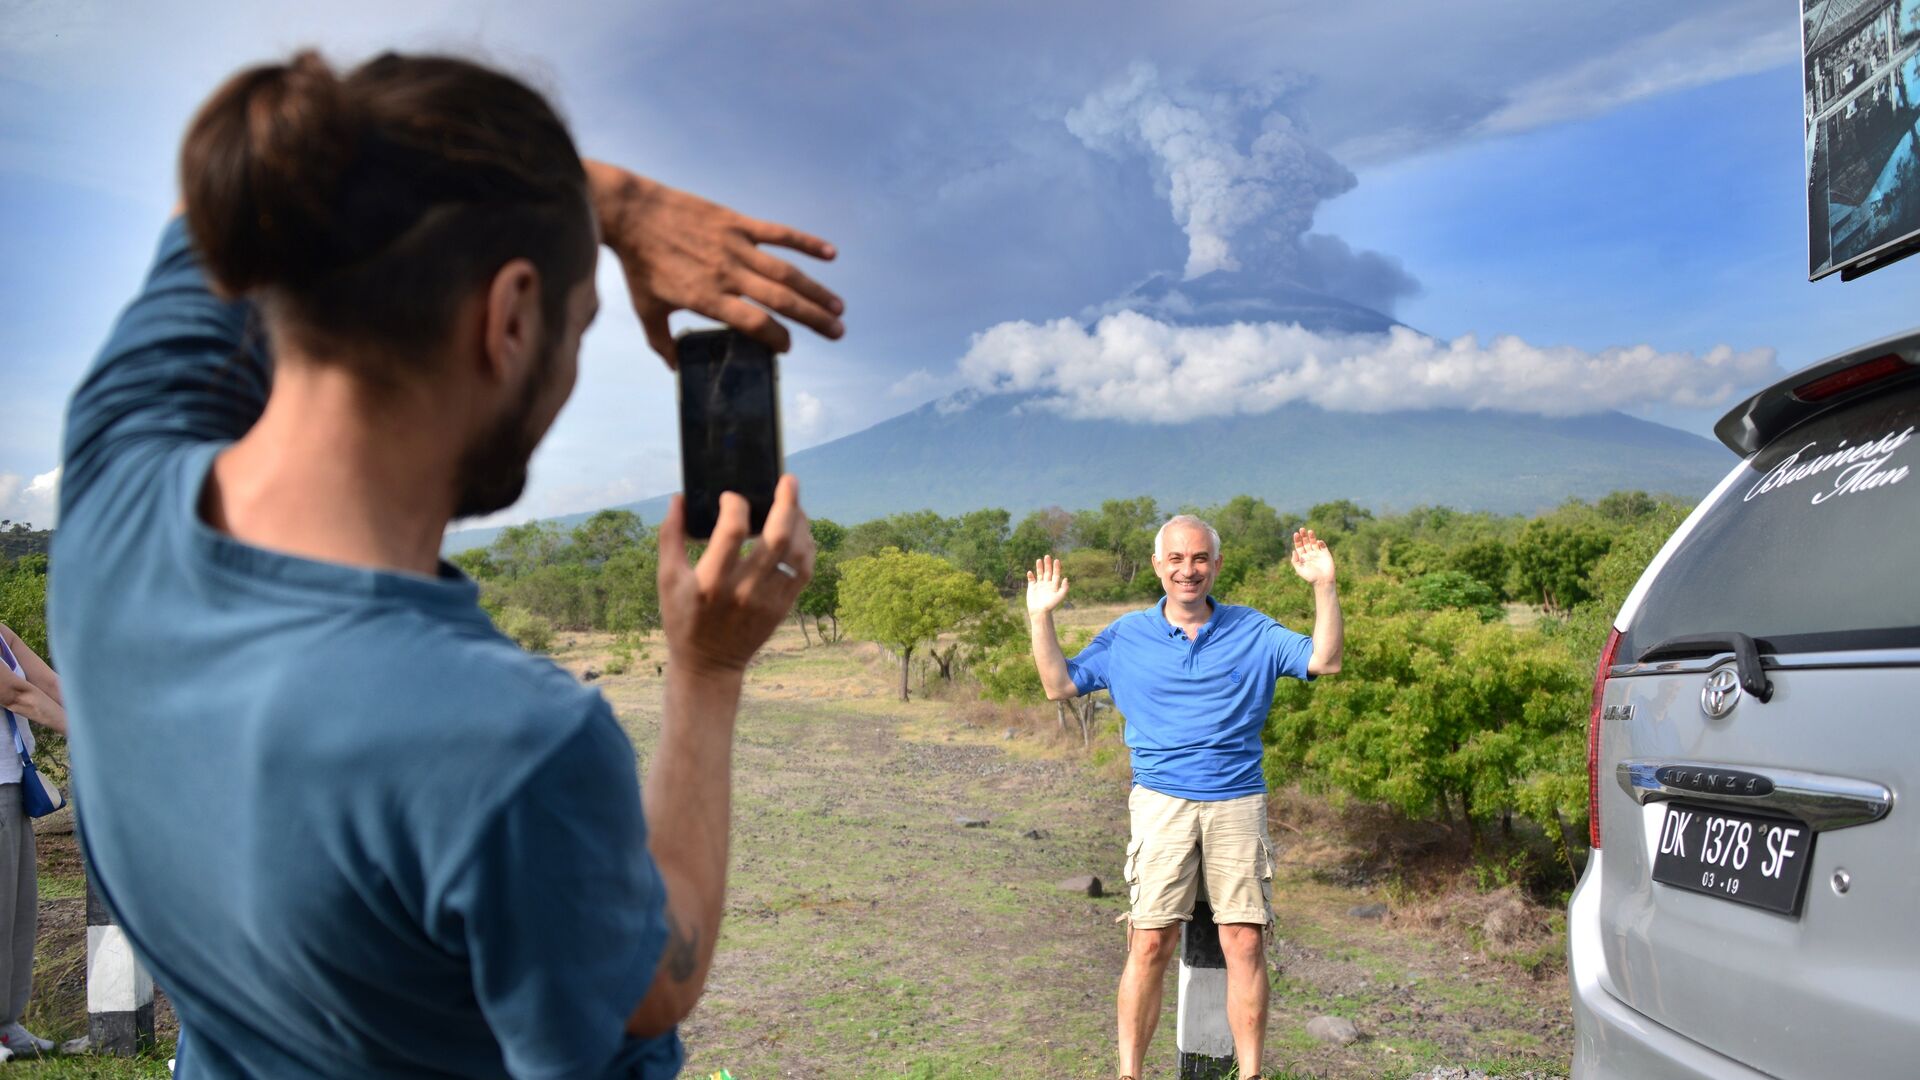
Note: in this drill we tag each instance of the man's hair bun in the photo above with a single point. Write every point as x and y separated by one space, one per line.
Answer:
363 208
261 167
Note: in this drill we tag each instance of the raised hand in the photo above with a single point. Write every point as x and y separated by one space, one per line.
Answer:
718 613
680 251
1311 559
1046 585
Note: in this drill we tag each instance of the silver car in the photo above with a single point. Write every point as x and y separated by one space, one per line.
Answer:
1751 907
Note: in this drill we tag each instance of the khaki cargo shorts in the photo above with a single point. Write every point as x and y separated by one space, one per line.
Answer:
1180 843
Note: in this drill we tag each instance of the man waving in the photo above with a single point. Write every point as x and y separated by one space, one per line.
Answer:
1194 679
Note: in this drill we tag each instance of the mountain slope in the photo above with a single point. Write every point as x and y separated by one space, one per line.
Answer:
1009 452
1006 451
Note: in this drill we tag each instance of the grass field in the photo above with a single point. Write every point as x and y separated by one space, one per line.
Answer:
870 933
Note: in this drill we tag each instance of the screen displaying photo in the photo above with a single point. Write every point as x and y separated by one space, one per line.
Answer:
1862 68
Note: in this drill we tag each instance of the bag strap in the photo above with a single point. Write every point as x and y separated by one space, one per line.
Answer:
19 745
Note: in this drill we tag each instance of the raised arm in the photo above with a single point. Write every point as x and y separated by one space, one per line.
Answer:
680 251
182 365
1314 563
37 696
716 615
1046 590
37 671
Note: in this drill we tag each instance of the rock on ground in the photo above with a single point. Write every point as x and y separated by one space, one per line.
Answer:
1085 883
1333 1029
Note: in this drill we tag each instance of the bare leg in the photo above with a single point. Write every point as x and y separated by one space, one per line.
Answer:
1246 991
1141 985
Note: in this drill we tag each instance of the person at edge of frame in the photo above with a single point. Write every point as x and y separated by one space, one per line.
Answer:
1195 680
29 690
351 827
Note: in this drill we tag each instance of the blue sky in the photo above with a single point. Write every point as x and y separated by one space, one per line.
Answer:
1610 192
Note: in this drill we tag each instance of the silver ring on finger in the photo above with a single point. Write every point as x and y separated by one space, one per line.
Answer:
787 570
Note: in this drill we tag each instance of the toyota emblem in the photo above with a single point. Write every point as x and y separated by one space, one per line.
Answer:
1721 693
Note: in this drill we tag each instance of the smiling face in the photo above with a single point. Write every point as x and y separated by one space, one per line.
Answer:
1186 564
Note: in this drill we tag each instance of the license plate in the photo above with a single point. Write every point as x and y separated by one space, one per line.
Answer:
1739 857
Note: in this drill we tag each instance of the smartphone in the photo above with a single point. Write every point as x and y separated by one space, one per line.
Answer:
729 389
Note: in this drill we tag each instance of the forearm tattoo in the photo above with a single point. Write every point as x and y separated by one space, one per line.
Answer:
683 950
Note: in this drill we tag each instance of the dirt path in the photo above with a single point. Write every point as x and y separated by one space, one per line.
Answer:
870 933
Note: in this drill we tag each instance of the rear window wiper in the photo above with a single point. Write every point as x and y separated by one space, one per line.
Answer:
1746 656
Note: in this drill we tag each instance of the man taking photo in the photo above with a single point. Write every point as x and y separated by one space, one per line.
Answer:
1195 680
352 828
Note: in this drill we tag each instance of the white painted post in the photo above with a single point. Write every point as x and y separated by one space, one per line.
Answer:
1204 1040
119 990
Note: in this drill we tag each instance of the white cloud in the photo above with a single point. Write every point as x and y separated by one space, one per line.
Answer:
35 500
806 419
1694 52
1131 367
921 384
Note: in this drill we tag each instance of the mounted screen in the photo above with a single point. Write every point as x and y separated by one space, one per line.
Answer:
1862 66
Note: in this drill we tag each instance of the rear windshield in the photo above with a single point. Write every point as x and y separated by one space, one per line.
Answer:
1816 546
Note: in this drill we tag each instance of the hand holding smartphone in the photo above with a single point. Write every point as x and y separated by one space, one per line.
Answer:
729 387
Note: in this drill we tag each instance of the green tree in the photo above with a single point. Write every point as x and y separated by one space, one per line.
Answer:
567 595
1409 557
1486 561
1253 536
1453 589
1552 559
828 534
1615 575
1437 711
1042 532
476 563
520 548
978 545
821 598
604 535
907 599
995 629
1093 575
532 632
1626 507
23 600
1330 519
631 583
18 539
1127 527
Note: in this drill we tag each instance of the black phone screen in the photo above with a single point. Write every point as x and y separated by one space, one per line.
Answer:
729 425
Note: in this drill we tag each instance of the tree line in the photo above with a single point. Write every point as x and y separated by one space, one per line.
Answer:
23 581
1447 708
1471 640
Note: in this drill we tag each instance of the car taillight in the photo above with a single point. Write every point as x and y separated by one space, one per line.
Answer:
1593 736
1849 377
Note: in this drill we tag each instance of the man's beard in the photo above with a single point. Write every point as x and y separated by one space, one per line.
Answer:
493 470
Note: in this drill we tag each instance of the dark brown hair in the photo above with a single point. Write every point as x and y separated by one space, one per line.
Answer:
361 210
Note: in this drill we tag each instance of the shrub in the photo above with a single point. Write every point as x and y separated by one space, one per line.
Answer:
533 632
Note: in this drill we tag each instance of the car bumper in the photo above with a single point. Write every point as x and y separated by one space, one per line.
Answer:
1611 1040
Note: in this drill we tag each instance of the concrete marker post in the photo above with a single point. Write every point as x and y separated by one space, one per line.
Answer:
1204 1040
119 990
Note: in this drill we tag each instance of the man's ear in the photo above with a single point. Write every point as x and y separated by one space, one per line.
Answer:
511 331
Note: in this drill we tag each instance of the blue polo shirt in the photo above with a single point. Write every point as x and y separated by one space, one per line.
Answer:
1195 707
